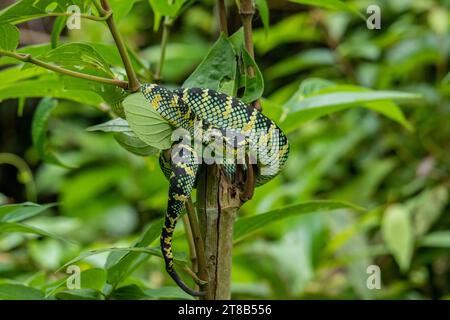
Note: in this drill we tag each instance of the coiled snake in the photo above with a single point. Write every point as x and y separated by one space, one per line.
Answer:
207 115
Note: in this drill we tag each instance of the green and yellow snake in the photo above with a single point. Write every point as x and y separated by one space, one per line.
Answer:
199 112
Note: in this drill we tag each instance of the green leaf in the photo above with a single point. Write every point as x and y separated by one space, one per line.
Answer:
130 142
25 10
19 292
10 227
94 278
48 86
114 125
165 8
254 86
332 5
245 226
120 265
263 9
427 207
146 123
58 27
79 294
320 97
438 239
121 8
151 251
398 234
217 71
84 58
9 37
22 211
39 132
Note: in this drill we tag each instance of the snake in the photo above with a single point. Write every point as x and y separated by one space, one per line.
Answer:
206 116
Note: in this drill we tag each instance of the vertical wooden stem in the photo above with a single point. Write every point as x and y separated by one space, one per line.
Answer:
217 205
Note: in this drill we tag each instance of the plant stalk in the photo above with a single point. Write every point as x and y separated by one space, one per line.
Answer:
133 83
30 59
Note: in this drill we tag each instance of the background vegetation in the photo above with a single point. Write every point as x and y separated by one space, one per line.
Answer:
334 86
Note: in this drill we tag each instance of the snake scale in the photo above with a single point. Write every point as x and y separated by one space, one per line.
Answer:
199 112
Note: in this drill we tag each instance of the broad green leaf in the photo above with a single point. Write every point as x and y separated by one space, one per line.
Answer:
332 5
25 10
398 234
84 58
120 265
319 98
438 239
125 137
22 211
146 123
114 125
11 227
170 8
9 37
121 8
16 73
48 86
217 71
245 226
130 142
253 86
94 278
39 132
151 251
19 292
79 294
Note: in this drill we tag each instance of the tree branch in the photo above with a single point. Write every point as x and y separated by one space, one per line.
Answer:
133 83
28 58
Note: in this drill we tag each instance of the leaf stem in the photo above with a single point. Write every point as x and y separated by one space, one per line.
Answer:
133 83
247 11
167 25
198 242
28 58
222 17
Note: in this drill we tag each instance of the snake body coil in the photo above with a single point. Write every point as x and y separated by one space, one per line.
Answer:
208 115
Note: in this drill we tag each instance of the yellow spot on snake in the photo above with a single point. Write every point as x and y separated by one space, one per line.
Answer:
156 101
180 197
228 107
251 123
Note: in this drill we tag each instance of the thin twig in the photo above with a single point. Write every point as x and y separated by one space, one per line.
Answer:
222 11
247 11
198 241
167 25
191 243
30 59
133 83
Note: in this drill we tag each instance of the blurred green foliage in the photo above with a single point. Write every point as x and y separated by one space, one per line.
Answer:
316 61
